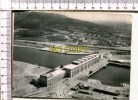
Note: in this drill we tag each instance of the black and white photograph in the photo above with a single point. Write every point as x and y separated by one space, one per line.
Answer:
71 55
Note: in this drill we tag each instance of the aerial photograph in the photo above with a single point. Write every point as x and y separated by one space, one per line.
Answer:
71 55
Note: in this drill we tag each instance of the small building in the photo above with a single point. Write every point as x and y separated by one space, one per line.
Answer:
85 58
52 77
76 62
81 60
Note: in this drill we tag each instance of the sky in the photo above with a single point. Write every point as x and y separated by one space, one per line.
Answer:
97 16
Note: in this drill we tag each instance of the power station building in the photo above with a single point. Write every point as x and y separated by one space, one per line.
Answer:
69 70
81 64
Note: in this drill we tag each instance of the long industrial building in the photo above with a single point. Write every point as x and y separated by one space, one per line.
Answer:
69 70
81 64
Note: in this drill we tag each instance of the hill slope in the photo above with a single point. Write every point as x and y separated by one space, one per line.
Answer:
34 24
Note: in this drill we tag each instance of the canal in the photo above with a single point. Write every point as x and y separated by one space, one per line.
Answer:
111 75
42 58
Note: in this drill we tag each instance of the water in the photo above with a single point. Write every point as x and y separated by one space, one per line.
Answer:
42 58
113 75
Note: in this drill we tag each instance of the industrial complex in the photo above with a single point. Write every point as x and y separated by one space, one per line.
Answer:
71 57
70 70
76 67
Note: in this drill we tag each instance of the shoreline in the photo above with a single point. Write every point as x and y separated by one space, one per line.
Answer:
46 50
43 44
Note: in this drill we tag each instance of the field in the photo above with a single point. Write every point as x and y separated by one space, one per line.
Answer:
23 73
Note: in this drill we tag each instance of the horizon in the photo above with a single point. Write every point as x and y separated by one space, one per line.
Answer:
96 17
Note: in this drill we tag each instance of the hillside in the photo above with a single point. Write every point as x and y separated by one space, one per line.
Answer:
54 27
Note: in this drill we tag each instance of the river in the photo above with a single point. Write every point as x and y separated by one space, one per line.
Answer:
111 75
42 58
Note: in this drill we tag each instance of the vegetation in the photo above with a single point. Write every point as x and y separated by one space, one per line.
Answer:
55 27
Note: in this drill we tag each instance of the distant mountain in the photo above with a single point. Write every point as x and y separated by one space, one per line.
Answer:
38 20
31 24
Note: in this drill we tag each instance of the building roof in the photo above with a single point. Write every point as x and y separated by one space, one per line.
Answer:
76 62
54 73
80 61
93 55
70 66
85 58
57 72
89 57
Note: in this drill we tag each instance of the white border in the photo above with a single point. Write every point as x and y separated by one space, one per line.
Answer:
134 60
6 5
